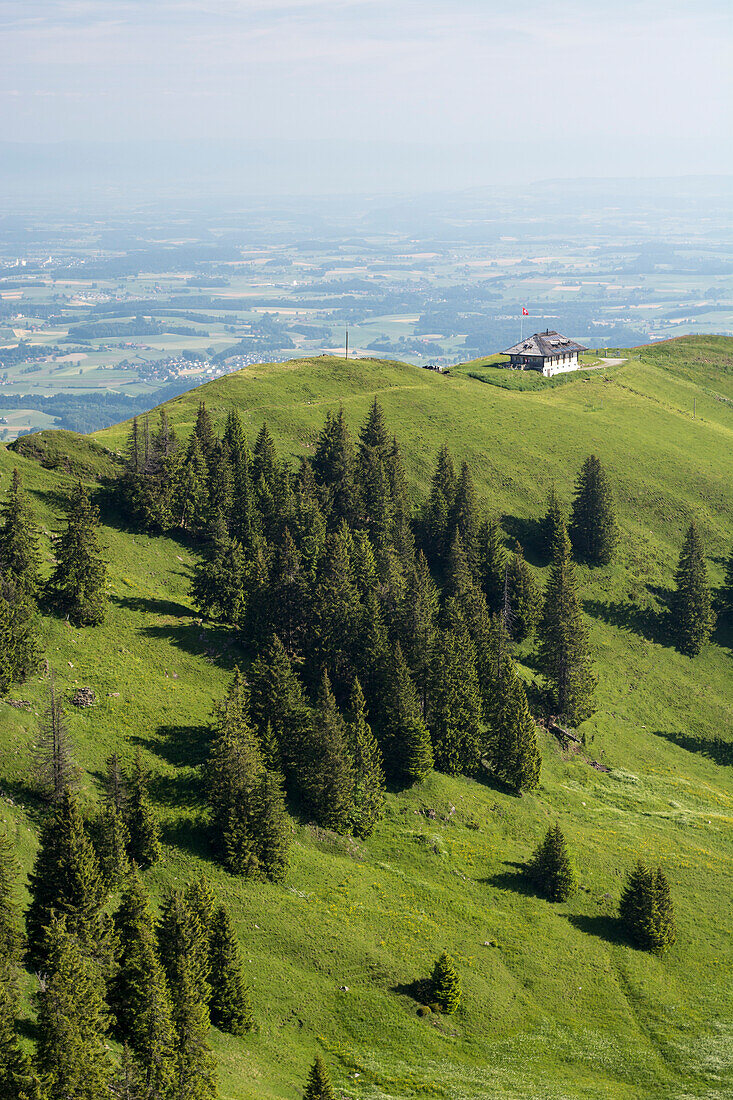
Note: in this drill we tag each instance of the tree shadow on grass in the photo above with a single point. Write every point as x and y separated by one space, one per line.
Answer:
517 880
418 990
723 635
181 746
528 533
217 645
189 834
24 794
152 606
604 927
715 748
645 621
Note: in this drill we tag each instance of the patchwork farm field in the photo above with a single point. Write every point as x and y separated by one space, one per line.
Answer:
556 1004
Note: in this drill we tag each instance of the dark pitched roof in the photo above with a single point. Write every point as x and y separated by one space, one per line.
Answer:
545 344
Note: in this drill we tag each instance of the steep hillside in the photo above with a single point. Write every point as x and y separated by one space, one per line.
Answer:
555 1005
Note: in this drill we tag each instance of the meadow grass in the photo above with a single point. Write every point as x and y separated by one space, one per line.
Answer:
556 1004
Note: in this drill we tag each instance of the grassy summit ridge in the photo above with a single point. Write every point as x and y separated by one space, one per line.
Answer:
553 1004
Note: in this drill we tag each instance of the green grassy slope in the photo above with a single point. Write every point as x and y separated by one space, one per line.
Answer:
555 1005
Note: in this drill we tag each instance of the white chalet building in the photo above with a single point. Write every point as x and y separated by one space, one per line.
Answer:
547 352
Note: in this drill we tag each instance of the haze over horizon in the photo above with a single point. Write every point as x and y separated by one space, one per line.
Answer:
319 96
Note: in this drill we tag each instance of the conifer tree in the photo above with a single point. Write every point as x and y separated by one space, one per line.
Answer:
235 773
646 909
492 562
726 592
19 556
183 944
56 771
419 626
19 646
514 754
406 745
72 1020
190 490
17 1079
115 785
465 515
563 650
525 599
593 530
231 1009
139 996
78 582
455 706
218 584
179 936
65 880
445 985
10 936
438 510
276 698
334 467
318 1086
336 613
204 432
553 522
288 596
692 616
372 655
264 459
111 840
373 475
402 537
330 771
141 820
550 867
368 791
274 830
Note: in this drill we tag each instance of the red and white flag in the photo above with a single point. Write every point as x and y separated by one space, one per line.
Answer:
525 312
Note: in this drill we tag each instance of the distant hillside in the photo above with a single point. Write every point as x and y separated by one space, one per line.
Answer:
555 1004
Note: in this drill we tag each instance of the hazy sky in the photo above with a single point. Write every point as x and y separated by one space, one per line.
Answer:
508 90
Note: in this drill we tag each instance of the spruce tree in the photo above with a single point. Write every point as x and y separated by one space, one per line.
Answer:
336 613
492 563
692 616
525 599
406 745
274 830
72 1020
65 880
141 820
19 644
218 583
465 516
78 582
17 1079
726 592
19 556
235 774
190 489
646 910
179 936
231 1009
445 985
10 935
276 699
334 468
593 531
55 769
455 706
419 626
437 512
204 432
564 651
550 867
368 791
513 751
318 1086
553 522
111 840
373 475
330 769
138 994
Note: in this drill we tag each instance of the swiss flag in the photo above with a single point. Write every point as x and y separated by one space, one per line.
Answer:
525 312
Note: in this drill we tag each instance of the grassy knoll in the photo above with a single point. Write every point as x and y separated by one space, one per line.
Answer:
555 1004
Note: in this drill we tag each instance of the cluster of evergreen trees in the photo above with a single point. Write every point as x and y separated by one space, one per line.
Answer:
75 588
154 987
645 909
379 643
